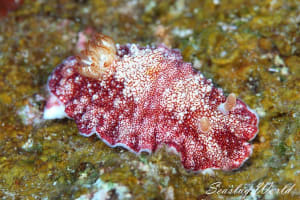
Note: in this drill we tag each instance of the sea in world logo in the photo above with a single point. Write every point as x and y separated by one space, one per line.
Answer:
245 190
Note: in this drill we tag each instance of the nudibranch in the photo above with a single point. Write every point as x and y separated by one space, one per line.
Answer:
140 98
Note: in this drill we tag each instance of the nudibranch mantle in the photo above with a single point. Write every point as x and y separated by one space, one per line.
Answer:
142 97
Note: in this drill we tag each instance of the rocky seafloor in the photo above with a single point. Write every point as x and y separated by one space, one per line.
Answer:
251 48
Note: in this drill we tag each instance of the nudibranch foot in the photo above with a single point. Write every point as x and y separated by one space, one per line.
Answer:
54 109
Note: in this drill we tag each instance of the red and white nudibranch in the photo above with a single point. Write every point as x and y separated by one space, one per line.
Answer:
142 97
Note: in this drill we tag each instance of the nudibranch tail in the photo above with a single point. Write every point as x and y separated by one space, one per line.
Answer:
97 57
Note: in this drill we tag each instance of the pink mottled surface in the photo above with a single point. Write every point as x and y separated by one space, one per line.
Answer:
151 97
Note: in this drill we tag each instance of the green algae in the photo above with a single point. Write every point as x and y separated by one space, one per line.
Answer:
250 48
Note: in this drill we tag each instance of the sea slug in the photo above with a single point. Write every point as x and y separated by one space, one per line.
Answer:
142 97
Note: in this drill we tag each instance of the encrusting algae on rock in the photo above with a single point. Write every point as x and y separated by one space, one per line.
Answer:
142 97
